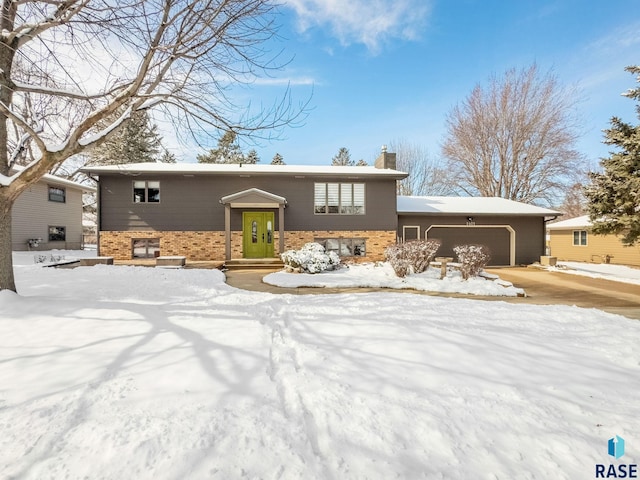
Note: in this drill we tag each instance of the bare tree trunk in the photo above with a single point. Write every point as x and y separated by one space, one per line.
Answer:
7 281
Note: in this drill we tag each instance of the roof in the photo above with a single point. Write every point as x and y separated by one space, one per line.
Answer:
469 206
243 169
59 180
577 222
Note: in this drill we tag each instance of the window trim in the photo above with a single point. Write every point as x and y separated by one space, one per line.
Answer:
53 199
340 196
64 233
146 191
581 234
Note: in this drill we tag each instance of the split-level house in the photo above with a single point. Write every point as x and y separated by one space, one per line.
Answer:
232 211
229 211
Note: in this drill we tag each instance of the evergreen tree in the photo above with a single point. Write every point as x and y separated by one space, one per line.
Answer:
614 199
252 157
228 151
137 141
277 160
362 163
167 157
343 158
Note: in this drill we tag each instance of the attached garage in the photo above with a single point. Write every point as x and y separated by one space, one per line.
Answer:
514 232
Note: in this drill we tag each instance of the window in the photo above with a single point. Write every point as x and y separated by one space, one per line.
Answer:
344 247
579 237
57 194
146 192
146 247
57 234
339 198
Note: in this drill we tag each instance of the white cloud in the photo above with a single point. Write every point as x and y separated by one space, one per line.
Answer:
370 22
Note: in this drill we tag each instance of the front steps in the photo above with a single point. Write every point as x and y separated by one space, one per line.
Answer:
254 264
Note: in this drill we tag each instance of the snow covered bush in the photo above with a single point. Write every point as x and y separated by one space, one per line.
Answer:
472 259
311 258
411 257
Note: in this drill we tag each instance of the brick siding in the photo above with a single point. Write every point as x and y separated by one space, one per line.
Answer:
202 246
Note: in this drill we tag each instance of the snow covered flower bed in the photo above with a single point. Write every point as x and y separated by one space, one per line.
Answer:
382 275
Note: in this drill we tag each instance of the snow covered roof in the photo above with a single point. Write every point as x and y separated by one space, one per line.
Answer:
469 205
577 222
57 180
247 169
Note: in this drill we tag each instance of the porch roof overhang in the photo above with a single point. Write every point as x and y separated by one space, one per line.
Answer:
253 198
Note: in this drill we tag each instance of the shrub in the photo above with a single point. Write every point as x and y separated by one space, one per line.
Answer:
472 258
311 258
411 257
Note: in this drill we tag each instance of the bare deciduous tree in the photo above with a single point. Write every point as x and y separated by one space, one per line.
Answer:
426 175
514 138
66 66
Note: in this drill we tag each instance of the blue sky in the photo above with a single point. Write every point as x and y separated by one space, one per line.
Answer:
384 70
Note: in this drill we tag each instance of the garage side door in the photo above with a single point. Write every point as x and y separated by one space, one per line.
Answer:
497 239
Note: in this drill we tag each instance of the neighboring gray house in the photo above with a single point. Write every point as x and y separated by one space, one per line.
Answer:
231 211
49 211
513 231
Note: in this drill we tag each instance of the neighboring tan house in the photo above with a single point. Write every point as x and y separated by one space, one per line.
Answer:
48 215
231 211
514 232
572 241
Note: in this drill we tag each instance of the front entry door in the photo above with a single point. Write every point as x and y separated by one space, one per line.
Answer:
257 234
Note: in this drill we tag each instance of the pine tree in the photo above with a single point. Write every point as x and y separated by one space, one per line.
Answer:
252 157
228 151
362 163
343 158
277 160
167 157
137 141
614 195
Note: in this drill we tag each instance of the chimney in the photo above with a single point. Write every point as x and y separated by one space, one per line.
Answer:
386 160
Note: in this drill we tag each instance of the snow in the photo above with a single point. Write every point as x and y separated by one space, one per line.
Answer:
576 222
469 206
618 273
117 372
235 168
381 275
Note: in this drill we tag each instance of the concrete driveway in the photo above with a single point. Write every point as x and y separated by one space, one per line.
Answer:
542 287
555 288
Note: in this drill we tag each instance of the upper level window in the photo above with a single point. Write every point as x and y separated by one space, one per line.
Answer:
146 192
57 194
579 237
339 198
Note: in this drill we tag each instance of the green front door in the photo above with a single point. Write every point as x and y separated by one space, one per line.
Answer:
257 234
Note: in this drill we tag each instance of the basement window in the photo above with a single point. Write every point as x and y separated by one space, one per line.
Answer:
57 234
344 247
146 247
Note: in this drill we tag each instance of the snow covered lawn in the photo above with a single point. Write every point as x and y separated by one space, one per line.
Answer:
618 273
381 275
129 372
